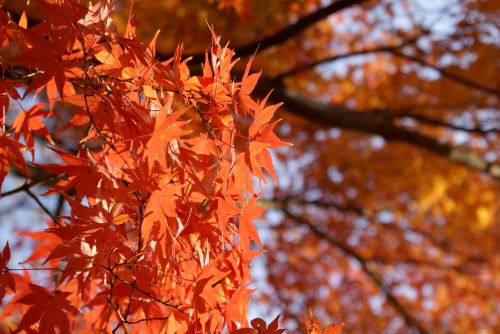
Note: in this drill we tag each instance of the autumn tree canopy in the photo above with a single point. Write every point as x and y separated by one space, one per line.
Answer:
134 164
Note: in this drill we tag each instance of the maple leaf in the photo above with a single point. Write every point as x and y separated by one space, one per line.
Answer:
79 172
161 204
30 121
7 89
246 229
267 136
248 83
262 116
46 242
53 94
49 310
6 279
167 129
314 326
259 327
10 152
110 60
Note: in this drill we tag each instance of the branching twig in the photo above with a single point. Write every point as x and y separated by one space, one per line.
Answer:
140 290
378 49
42 206
447 74
367 267
26 186
373 122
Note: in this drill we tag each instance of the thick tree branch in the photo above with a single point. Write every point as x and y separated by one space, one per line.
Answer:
288 32
367 266
375 123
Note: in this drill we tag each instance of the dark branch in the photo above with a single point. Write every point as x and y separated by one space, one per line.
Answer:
288 32
367 266
60 206
42 206
26 186
277 203
146 293
345 208
375 123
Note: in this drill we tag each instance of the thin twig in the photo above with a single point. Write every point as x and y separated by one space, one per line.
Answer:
43 207
26 186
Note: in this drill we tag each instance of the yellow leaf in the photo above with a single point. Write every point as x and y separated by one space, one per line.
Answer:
107 59
120 219
484 217
149 92
23 21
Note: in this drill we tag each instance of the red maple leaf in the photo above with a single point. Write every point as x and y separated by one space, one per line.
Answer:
49 310
6 279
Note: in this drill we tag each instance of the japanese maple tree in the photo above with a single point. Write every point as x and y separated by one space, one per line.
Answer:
384 213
